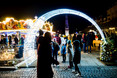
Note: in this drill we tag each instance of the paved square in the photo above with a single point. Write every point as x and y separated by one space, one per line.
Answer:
90 67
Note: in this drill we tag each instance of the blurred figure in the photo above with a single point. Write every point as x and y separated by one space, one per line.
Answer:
10 40
16 40
70 53
56 49
79 37
77 56
22 40
58 39
84 42
62 41
74 37
89 41
63 52
45 57
40 40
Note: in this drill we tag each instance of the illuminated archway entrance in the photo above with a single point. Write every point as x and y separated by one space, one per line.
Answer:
29 55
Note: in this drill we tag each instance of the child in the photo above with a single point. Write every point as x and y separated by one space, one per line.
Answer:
70 53
63 52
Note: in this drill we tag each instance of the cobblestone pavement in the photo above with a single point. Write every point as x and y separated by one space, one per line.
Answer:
90 67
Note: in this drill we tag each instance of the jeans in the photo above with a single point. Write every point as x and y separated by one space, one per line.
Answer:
77 69
90 48
84 47
64 57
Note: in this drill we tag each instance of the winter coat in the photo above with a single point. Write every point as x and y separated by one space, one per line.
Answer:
45 59
77 52
70 52
90 38
56 48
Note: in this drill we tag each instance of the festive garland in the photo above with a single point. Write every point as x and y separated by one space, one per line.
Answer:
107 49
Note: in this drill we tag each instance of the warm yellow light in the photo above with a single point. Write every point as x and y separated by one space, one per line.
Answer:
50 28
112 28
21 20
8 19
4 22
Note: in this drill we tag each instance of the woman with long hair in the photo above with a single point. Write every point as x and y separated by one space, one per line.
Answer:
45 57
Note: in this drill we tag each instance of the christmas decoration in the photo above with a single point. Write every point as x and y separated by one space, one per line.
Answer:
107 50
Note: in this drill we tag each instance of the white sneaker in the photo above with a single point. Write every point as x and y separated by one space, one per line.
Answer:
77 74
73 71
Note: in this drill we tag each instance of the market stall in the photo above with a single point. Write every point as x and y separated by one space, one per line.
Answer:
12 37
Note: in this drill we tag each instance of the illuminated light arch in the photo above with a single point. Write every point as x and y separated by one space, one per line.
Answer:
40 21
30 39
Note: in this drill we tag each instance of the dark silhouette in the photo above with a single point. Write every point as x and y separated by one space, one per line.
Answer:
77 56
16 40
79 37
63 52
70 53
84 40
22 40
74 37
58 39
56 49
90 38
45 57
10 40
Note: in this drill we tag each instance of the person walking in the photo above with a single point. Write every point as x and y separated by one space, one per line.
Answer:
70 53
45 57
77 56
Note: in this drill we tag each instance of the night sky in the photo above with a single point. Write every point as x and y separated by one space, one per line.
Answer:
22 9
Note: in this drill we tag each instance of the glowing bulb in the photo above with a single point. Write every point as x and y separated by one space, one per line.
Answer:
36 17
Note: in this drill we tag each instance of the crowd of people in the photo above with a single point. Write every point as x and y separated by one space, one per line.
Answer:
49 47
11 40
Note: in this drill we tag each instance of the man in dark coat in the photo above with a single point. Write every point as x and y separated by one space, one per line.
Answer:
90 38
